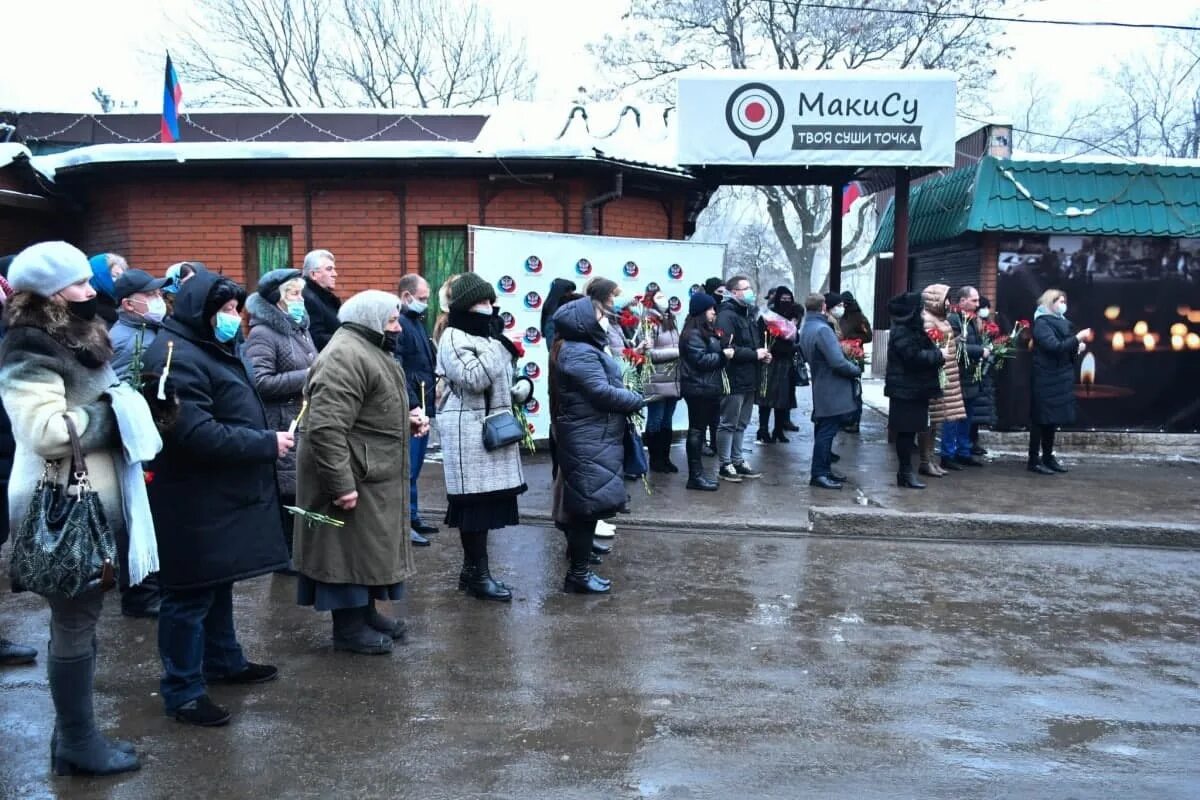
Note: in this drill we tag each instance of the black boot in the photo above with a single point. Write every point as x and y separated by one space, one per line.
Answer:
778 434
352 634
79 748
580 578
696 478
118 744
653 442
13 654
667 436
1053 464
142 601
395 628
485 587
908 480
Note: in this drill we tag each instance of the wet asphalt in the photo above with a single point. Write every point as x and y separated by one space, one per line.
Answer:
720 667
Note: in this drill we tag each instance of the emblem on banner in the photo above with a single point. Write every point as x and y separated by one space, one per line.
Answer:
652 287
510 321
675 272
754 113
533 300
675 304
532 335
694 289
631 269
532 371
507 284
583 267
533 265
533 406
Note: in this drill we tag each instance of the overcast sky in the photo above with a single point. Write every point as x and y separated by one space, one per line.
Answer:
57 51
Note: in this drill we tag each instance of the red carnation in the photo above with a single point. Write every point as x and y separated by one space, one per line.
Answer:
1023 323
775 329
628 319
520 348
935 335
148 475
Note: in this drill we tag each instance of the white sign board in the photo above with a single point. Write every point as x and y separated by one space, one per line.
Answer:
521 265
855 118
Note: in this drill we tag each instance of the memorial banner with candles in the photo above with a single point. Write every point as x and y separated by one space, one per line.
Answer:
521 265
1141 297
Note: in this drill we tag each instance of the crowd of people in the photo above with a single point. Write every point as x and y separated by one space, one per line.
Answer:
229 433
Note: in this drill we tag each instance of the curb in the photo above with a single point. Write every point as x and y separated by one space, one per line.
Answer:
879 523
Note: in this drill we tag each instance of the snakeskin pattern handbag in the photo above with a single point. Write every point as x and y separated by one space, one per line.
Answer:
64 545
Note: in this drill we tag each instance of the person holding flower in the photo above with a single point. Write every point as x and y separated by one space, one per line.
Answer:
974 353
702 382
983 411
663 336
1055 347
735 317
949 408
778 386
911 382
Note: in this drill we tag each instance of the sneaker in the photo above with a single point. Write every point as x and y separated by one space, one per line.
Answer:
202 712
253 673
746 471
729 473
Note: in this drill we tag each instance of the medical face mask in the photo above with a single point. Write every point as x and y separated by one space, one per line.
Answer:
227 327
296 310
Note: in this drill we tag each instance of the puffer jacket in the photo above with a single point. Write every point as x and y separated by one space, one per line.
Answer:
950 406
589 407
700 363
281 352
913 359
664 358
1053 379
735 326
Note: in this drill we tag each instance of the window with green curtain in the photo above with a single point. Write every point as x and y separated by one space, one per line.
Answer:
443 253
267 248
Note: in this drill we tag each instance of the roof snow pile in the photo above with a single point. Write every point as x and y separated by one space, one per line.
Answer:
11 151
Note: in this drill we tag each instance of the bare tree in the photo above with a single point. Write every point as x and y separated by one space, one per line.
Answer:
1154 108
376 53
665 37
755 252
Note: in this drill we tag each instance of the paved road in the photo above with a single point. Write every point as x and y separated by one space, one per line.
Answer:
728 667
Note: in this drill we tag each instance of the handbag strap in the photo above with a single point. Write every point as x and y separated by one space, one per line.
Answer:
78 464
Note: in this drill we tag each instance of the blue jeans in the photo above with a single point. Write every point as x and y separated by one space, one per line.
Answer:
196 640
825 430
956 438
659 414
417 445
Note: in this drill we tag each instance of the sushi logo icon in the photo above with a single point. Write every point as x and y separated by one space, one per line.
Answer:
533 265
507 284
510 321
754 113
532 335
533 300
631 269
675 272
583 267
532 371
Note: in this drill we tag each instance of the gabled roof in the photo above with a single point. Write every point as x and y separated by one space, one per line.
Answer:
1096 198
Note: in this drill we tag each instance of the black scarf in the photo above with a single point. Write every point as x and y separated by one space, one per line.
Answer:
481 325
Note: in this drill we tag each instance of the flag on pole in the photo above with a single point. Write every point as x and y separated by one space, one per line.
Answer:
850 192
172 96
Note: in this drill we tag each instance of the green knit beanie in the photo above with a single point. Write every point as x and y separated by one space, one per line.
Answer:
469 289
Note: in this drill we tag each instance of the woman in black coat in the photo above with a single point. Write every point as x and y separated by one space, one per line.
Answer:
913 361
983 410
214 497
701 368
589 405
1055 346
780 393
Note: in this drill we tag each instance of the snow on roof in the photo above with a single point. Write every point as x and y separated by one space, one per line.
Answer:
637 135
1097 157
11 151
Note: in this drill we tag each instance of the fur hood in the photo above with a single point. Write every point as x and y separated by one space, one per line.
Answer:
264 313
28 313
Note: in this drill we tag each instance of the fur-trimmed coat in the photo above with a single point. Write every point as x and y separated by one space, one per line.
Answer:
478 371
52 364
281 352
950 406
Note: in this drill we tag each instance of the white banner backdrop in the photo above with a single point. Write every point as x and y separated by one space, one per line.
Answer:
853 118
522 264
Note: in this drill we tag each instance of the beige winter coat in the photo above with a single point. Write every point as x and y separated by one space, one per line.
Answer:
949 407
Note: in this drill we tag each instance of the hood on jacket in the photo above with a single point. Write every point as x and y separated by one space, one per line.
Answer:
198 300
266 313
734 304
905 309
934 298
576 322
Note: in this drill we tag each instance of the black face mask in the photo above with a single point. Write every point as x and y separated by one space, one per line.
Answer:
390 339
85 310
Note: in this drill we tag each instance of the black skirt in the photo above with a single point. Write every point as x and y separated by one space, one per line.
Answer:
908 416
780 386
487 514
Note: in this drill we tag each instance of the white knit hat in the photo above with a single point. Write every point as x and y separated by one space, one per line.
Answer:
47 268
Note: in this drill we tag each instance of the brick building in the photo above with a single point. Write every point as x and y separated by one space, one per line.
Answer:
387 193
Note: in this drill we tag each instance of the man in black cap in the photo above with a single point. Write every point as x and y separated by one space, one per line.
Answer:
140 311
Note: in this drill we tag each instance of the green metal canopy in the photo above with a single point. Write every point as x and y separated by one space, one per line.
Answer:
1047 196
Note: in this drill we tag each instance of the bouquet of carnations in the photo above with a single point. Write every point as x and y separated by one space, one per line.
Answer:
777 328
937 337
1003 346
853 350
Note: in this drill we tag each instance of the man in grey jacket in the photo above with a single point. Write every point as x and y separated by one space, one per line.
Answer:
833 378
140 311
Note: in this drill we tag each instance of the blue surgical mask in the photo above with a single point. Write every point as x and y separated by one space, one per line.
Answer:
296 310
620 302
227 327
748 298
417 307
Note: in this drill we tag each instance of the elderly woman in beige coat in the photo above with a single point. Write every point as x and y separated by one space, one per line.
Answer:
950 406
353 467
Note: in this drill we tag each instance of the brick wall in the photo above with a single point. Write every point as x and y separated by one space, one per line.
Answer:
156 222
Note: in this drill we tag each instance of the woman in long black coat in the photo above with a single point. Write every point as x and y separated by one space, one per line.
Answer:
913 361
778 392
589 405
1055 347
214 497
702 363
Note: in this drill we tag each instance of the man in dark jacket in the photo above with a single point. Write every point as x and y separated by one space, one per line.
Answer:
956 436
320 276
737 328
833 377
414 351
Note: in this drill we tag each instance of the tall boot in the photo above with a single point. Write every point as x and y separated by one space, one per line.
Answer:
667 436
696 477
580 578
353 633
763 436
119 744
777 435
905 477
480 582
928 466
653 440
79 748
